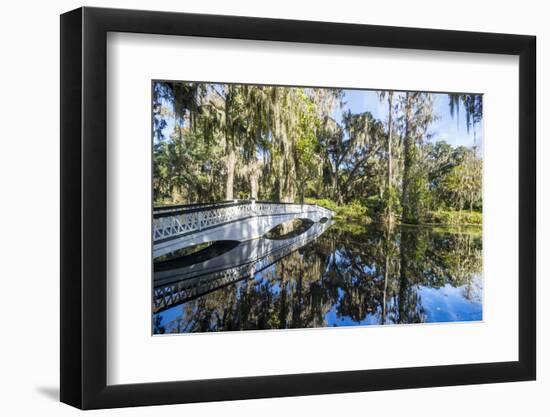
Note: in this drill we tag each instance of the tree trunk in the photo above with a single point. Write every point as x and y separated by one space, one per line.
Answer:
390 176
287 186
336 185
231 159
407 165
385 288
254 175
230 165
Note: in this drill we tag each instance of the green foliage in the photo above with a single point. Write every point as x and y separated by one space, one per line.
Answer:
352 211
323 202
282 144
454 217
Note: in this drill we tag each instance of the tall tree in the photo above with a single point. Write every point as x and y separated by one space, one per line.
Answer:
389 189
418 114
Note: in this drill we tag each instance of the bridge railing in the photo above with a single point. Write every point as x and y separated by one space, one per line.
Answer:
174 221
182 290
164 211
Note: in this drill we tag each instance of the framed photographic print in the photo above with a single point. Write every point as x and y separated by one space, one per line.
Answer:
257 207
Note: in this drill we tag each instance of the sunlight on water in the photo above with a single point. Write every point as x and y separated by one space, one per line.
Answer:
343 276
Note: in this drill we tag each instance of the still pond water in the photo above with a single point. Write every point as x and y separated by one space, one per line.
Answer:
334 275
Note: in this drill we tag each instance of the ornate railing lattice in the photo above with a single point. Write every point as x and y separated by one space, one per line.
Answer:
175 221
165 296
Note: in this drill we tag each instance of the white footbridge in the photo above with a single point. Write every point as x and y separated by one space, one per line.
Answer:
178 285
176 227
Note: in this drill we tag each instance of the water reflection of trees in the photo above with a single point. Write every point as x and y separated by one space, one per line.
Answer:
347 276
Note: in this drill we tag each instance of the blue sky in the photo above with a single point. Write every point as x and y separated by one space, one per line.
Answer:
450 129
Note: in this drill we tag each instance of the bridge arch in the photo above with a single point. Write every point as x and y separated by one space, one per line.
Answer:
288 229
175 227
194 254
175 286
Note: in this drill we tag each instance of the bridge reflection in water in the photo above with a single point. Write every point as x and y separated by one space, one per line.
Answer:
349 275
183 284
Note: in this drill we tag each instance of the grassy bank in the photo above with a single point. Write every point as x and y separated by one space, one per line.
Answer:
359 213
353 211
454 218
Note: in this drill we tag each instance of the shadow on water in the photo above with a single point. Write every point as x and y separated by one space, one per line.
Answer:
193 254
289 229
344 275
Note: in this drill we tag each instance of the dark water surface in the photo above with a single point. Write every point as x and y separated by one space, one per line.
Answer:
330 275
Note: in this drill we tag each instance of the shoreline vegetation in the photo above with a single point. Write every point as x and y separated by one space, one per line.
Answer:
216 142
360 214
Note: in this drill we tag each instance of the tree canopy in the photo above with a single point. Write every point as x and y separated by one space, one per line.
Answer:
214 142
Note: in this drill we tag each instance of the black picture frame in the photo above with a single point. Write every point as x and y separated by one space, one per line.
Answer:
84 207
